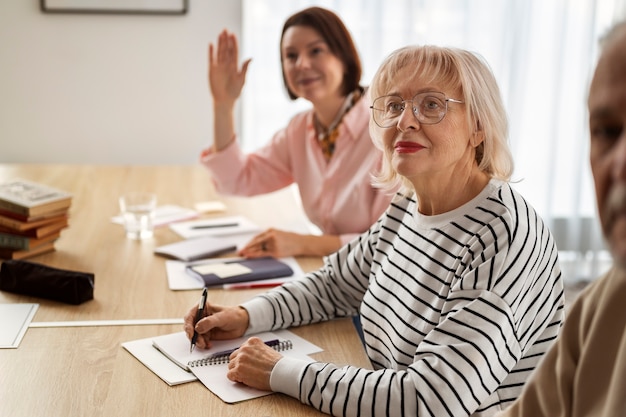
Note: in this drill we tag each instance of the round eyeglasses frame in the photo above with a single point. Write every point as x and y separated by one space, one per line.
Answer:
428 108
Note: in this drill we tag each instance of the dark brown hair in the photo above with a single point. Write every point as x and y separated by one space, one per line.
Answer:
336 35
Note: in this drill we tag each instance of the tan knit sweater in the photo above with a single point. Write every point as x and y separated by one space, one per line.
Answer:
584 373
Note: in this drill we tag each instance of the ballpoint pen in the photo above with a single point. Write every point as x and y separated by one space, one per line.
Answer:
199 315
214 226
227 353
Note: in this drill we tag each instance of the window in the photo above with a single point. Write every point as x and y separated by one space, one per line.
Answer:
542 54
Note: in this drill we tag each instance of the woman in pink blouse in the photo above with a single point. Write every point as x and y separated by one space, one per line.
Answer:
326 151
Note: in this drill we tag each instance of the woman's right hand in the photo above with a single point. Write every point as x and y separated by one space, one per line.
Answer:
226 80
219 323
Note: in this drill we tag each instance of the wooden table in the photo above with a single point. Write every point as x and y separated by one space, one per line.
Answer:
83 371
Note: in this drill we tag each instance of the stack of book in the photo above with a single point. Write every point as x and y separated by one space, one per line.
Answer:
32 216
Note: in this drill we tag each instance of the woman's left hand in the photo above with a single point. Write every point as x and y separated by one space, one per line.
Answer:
273 242
252 364
280 244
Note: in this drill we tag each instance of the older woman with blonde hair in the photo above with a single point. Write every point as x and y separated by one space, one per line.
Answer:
457 285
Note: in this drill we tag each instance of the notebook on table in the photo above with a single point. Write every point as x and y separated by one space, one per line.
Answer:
173 350
194 249
236 271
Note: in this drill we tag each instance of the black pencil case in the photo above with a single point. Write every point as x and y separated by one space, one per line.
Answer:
30 278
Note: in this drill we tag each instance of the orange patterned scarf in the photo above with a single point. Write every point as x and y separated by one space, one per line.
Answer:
327 137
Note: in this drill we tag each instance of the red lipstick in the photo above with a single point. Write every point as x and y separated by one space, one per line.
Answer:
407 147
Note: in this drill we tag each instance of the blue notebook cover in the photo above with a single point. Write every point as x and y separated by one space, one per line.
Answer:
244 270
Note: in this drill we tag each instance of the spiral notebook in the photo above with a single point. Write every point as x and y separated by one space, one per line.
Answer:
211 365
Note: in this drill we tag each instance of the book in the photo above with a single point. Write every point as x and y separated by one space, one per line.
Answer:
172 364
6 253
29 198
242 270
11 241
26 219
195 249
43 230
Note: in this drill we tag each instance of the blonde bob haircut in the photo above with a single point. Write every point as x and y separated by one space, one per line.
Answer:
456 69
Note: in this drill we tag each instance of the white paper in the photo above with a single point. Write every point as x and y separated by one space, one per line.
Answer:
154 360
14 321
178 279
220 226
222 270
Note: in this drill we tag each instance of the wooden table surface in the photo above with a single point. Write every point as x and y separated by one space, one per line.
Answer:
83 371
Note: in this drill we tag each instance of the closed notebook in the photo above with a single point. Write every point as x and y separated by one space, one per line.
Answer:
245 270
195 249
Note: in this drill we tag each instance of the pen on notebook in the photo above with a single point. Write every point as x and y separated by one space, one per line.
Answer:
247 286
199 316
214 226
226 353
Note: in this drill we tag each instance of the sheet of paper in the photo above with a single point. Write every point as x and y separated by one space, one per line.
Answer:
14 321
178 279
218 226
154 360
164 215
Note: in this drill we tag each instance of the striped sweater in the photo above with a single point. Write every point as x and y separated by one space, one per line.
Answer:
457 309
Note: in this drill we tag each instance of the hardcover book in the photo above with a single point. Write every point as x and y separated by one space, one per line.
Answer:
8 222
38 232
6 253
10 241
27 198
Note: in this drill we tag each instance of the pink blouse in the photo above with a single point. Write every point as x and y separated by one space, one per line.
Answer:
337 196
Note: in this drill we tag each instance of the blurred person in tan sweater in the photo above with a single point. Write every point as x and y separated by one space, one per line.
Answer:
584 373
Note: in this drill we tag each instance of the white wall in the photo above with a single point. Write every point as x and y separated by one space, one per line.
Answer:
107 89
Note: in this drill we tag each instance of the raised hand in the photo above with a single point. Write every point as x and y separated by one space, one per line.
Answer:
226 79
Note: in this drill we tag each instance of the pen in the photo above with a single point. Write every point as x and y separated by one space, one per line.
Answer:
199 315
214 226
226 353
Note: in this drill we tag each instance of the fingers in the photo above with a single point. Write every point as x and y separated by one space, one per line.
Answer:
261 245
244 68
220 323
189 321
190 325
227 50
252 364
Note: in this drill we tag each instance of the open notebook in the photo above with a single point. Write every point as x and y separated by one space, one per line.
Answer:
168 356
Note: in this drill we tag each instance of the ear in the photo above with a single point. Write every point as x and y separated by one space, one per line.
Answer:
478 136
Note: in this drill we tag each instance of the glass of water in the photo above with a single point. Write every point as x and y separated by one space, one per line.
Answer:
138 212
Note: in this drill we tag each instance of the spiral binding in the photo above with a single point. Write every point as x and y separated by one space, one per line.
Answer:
220 359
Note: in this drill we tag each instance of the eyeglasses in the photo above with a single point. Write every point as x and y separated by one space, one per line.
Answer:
428 108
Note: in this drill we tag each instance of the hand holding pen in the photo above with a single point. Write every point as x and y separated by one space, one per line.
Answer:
214 322
199 315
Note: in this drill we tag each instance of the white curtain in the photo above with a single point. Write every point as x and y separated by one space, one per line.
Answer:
542 53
